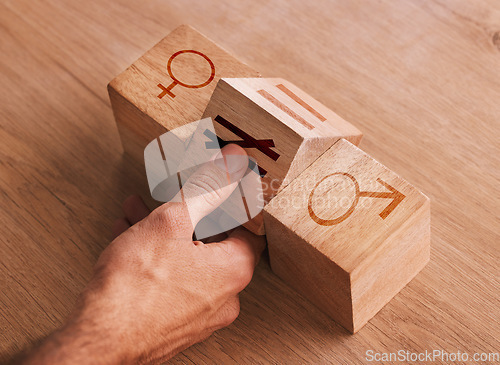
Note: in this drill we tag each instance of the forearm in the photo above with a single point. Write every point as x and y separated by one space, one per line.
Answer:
104 330
80 341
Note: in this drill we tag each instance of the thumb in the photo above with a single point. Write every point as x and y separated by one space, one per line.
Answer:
213 182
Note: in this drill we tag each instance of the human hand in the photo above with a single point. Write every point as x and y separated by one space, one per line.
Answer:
154 291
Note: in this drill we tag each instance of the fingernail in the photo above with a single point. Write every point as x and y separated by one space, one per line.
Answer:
230 160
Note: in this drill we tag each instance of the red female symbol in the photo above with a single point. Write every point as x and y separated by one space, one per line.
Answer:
166 90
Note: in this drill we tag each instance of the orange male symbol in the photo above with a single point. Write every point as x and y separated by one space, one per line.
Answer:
393 194
166 90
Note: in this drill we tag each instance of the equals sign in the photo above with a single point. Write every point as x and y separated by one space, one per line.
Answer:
269 97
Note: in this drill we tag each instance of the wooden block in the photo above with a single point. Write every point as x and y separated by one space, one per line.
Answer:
348 234
170 85
279 125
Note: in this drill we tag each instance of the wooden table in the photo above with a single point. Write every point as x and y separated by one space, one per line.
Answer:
421 79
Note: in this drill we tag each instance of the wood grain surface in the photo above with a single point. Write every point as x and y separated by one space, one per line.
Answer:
419 78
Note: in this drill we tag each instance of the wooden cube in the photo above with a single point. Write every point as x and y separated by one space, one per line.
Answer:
170 85
278 124
348 234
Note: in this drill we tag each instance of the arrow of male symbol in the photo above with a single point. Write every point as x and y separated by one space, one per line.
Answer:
396 196
393 194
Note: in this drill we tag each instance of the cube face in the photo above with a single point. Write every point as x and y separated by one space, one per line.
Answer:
169 86
282 127
356 217
301 107
308 271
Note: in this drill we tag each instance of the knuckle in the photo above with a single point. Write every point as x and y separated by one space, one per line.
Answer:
237 267
241 271
174 214
244 277
230 313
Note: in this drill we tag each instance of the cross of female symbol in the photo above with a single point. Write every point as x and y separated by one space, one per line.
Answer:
166 90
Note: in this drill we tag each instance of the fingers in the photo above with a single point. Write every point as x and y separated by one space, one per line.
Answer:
135 210
119 226
213 182
245 243
240 253
227 314
215 238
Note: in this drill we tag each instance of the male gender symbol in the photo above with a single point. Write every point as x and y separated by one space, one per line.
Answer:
393 194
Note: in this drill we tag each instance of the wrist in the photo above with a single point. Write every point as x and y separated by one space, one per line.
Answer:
81 341
90 336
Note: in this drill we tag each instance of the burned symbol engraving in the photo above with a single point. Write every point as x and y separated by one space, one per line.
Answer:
393 194
269 97
247 141
167 90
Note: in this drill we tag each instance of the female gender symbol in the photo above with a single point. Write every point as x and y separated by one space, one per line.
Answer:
393 194
166 90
